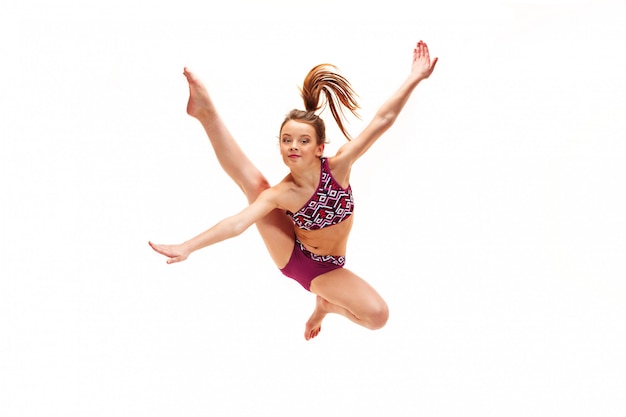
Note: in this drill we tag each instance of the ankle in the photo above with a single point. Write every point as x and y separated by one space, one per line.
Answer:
207 117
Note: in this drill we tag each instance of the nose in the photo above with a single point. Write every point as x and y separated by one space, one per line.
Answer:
293 146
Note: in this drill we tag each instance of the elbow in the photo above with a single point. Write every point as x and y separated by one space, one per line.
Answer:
385 121
229 228
237 227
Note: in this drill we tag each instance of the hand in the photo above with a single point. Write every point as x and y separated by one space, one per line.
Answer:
176 253
422 67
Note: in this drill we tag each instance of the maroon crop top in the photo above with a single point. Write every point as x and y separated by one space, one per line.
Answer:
330 204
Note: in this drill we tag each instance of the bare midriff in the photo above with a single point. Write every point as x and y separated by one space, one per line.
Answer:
331 240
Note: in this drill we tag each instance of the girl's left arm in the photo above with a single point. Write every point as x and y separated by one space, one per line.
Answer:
387 114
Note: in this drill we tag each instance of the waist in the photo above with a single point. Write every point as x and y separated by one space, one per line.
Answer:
331 240
338 260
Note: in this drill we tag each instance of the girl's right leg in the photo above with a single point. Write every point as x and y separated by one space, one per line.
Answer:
275 228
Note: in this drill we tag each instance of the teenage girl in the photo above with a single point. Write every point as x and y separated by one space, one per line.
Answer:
306 218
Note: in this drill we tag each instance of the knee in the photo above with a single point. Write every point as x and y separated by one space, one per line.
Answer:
254 186
378 316
261 183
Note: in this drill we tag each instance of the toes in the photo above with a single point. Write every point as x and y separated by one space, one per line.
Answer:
312 333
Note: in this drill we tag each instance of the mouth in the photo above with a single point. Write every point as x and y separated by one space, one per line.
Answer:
294 156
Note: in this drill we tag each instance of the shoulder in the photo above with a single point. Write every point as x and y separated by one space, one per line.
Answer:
340 167
280 194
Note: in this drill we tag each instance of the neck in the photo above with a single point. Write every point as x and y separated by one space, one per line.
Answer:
304 175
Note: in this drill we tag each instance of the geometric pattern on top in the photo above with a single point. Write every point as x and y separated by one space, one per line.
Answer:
329 205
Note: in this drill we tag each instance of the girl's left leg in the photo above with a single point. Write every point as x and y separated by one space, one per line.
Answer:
343 292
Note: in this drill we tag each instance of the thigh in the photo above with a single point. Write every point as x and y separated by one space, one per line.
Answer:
276 230
346 289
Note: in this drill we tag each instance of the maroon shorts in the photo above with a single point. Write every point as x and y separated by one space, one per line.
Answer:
304 266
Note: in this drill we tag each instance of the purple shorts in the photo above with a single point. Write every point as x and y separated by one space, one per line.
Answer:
304 266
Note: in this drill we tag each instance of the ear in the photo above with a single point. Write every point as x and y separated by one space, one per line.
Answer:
320 150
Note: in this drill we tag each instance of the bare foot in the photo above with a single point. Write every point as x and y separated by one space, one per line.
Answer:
199 104
314 324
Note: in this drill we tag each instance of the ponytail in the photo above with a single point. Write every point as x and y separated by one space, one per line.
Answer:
338 93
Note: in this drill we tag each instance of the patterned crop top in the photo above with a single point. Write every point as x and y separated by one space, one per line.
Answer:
331 204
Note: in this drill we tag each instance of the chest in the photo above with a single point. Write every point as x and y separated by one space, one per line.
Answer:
328 204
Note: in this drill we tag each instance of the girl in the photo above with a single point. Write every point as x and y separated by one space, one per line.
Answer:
305 219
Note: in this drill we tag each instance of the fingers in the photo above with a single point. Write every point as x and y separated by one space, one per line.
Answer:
163 250
421 57
432 66
175 260
173 253
417 52
158 248
425 53
421 51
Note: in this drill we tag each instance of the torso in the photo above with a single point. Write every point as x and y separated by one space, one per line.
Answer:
322 222
331 240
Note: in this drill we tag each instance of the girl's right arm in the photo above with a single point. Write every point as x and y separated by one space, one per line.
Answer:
229 227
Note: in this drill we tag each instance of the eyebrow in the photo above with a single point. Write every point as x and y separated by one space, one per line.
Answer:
307 136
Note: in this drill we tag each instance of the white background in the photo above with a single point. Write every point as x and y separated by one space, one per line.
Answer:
490 216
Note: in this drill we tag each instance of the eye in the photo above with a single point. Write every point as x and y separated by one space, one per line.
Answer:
286 140
304 141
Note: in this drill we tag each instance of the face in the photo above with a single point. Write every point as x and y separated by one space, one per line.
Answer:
298 143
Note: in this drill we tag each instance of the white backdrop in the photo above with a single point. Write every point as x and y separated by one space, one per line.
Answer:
490 217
